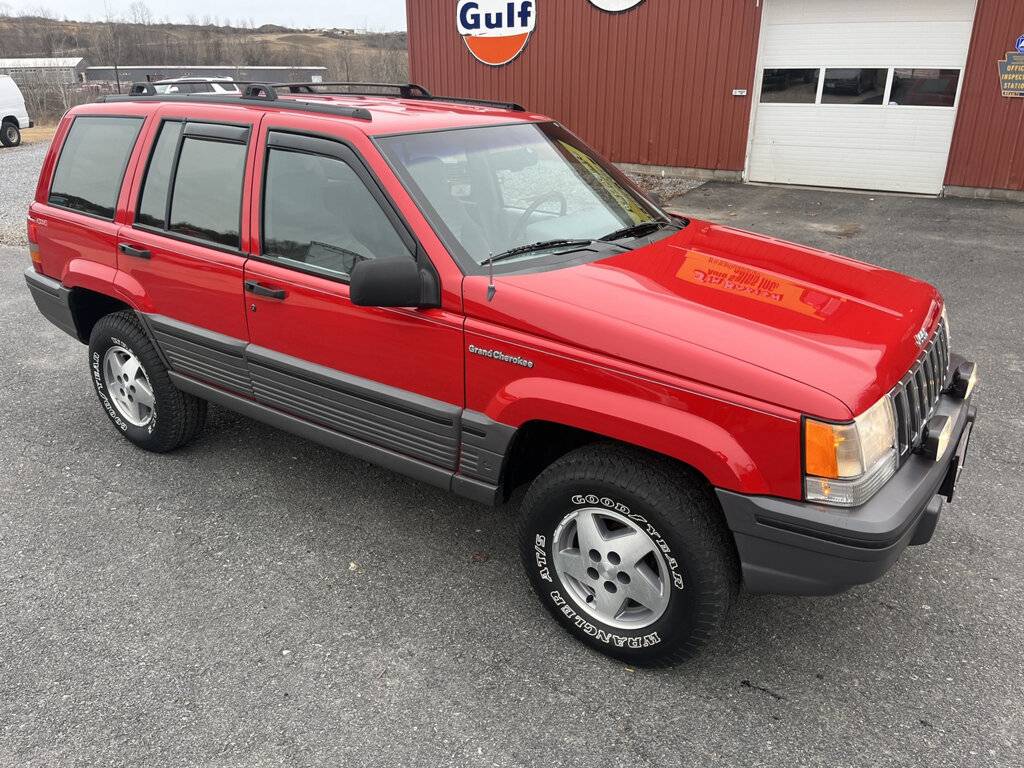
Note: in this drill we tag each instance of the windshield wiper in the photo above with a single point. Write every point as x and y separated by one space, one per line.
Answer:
543 245
638 230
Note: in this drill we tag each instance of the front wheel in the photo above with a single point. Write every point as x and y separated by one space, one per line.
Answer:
134 389
10 134
629 552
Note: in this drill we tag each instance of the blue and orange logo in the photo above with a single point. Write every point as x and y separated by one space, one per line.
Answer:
496 31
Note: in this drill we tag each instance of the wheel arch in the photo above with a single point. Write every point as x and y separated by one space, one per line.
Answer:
555 428
89 306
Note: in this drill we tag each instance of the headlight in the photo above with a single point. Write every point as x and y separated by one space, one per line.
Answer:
845 464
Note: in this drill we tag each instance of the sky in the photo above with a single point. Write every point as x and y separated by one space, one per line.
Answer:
375 15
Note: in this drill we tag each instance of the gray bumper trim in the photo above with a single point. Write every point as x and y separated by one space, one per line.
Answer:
53 301
800 548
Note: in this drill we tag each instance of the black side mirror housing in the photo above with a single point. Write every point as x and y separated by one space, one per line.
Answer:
394 281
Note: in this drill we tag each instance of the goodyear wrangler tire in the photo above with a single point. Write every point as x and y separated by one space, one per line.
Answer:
134 389
630 553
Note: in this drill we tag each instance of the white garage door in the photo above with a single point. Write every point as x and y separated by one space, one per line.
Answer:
858 93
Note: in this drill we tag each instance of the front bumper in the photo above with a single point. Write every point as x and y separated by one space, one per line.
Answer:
801 548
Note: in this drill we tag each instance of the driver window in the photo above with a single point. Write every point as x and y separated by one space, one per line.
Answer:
319 215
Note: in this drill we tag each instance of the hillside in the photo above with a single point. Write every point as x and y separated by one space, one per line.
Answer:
141 41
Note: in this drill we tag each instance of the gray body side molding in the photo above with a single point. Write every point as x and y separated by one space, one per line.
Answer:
429 440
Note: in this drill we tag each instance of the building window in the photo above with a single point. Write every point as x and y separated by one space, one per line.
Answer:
924 87
789 86
854 86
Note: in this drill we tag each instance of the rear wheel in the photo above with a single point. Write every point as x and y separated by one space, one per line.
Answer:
134 389
10 134
629 552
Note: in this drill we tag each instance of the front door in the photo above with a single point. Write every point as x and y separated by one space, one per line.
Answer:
388 377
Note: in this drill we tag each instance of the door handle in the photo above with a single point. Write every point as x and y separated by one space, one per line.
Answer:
139 253
261 290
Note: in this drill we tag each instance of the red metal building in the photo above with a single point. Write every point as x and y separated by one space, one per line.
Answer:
847 93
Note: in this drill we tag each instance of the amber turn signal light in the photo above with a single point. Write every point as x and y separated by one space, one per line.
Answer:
820 443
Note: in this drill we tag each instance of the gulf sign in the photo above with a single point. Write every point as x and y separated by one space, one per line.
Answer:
496 31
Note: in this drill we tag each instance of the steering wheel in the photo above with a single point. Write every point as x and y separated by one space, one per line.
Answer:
524 218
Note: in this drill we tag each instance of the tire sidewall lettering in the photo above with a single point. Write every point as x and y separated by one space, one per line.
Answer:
101 390
608 637
564 604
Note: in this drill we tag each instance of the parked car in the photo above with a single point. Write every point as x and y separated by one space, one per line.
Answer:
855 81
13 115
215 85
467 293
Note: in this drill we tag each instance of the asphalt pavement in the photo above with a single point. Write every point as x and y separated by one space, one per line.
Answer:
257 600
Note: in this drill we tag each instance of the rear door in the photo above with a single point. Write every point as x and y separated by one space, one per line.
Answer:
389 377
183 256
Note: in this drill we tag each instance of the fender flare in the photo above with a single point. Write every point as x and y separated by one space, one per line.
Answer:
698 442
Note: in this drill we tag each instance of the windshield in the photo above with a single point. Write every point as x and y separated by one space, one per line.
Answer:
495 189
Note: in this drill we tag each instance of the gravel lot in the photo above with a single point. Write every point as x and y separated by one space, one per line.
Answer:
19 170
257 600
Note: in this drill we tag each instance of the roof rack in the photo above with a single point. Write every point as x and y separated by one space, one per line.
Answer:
261 91
509 105
405 91
253 91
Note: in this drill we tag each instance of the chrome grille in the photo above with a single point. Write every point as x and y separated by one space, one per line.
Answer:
915 397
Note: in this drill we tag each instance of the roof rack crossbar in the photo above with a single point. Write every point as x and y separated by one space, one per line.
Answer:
262 91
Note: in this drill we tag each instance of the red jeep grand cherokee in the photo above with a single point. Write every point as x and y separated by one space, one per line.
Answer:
467 293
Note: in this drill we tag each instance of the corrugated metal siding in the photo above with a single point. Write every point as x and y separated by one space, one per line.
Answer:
987 146
652 85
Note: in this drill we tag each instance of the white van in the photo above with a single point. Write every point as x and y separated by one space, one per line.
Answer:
13 116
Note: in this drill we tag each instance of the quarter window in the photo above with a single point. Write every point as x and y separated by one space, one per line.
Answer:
319 215
153 205
207 199
92 164
789 86
924 87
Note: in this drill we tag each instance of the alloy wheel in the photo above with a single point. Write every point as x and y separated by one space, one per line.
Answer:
612 568
128 386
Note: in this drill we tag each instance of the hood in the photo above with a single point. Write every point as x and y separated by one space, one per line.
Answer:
721 306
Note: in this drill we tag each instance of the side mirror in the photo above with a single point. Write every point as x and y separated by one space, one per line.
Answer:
389 282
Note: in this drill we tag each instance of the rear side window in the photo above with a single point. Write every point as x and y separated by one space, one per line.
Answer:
92 164
198 168
207 198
